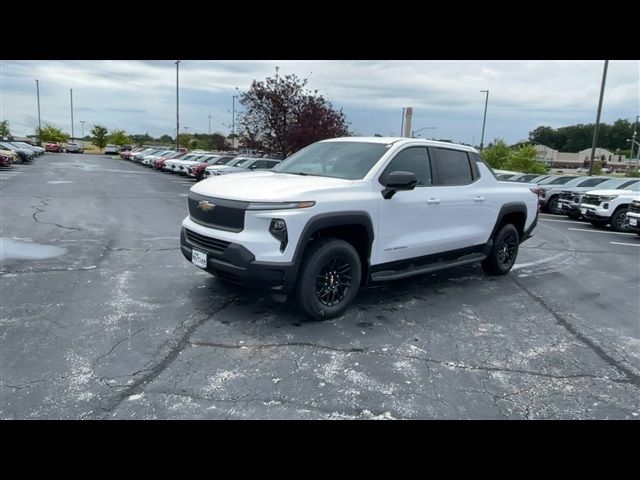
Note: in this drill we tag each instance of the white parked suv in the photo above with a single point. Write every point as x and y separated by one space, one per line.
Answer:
602 207
346 212
633 215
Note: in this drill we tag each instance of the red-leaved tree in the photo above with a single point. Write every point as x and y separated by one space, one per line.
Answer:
282 115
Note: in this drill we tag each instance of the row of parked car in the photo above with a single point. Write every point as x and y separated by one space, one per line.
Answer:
18 152
197 164
599 200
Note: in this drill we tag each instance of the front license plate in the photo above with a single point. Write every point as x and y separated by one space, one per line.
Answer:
583 211
633 221
199 259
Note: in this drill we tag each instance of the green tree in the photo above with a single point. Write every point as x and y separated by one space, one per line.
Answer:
194 143
219 142
497 154
99 133
49 133
119 137
4 129
141 139
597 168
166 139
524 159
282 115
183 140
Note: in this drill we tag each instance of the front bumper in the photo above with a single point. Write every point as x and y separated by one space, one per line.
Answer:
235 264
592 212
634 228
569 207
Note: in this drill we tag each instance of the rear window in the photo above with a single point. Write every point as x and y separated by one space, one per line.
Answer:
453 167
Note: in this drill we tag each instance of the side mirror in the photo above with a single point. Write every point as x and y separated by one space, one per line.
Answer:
398 181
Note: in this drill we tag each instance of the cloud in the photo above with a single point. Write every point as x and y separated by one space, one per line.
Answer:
139 96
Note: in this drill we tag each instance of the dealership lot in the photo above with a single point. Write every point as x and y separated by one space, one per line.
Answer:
102 317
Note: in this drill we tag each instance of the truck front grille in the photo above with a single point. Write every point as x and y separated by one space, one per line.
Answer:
206 243
591 199
217 213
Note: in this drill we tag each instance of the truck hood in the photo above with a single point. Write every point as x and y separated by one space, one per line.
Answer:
267 186
604 193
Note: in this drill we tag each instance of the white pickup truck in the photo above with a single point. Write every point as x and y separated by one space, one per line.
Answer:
347 212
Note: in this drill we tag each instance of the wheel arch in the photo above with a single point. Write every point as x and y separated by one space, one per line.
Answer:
514 213
354 227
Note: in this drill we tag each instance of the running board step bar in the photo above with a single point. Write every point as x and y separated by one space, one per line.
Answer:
432 267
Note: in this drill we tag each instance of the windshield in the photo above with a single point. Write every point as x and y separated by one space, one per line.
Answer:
628 185
348 160
561 180
591 182
634 188
244 162
611 183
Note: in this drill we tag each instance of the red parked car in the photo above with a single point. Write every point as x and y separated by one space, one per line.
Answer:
53 147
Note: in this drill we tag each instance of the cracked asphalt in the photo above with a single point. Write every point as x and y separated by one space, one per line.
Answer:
115 323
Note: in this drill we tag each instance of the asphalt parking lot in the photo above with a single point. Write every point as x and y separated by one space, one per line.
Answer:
102 317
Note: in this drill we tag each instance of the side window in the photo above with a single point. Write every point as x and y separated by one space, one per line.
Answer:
413 159
453 167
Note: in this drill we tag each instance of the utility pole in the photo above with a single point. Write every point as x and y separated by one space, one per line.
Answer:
177 108
595 130
233 121
71 92
484 120
402 123
40 123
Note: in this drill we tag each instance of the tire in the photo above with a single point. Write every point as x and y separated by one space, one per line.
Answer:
315 297
619 221
553 206
504 251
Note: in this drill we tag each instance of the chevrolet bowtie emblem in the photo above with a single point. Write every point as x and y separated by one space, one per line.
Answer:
206 206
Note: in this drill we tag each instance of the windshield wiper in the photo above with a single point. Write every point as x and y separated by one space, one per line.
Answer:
297 173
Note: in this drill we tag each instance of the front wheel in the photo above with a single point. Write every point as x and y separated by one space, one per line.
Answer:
554 206
330 277
619 220
504 252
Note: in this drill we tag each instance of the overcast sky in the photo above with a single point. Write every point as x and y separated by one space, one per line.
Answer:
139 96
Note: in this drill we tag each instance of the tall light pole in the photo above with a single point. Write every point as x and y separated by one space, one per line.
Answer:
39 123
233 121
633 140
186 129
71 92
177 108
402 122
82 122
595 130
209 124
484 119
413 134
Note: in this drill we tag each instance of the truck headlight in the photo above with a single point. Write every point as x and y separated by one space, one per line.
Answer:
278 228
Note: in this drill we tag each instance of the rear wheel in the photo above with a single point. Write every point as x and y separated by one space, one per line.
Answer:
504 252
330 277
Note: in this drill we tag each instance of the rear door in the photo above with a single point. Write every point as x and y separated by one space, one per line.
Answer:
465 208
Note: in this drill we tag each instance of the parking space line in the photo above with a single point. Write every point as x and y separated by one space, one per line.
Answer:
630 244
563 221
599 231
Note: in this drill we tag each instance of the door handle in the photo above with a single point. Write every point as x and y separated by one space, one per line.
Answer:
479 199
433 201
